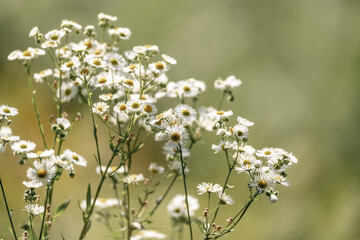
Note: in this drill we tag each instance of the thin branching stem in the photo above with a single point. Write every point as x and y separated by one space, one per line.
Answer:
7 210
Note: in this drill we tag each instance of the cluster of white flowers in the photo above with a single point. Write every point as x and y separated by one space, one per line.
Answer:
122 90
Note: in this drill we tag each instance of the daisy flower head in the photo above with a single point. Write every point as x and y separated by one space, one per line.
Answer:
220 115
42 75
244 121
169 59
74 158
114 60
208 188
169 150
102 80
41 154
186 114
102 203
95 62
222 146
263 180
6 135
34 209
246 162
63 123
89 31
23 146
105 19
158 67
14 55
177 168
227 84
8 111
121 107
135 106
240 131
100 108
176 135
109 97
155 169
148 234
68 91
149 109
134 178
268 153
54 36
225 199
177 206
69 25
73 63
33 184
119 33
34 32
43 171
112 170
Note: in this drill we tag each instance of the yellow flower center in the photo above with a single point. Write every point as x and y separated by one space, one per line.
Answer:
220 112
267 152
75 157
122 107
39 153
159 65
143 97
129 82
97 52
85 71
246 162
88 45
102 200
6 110
67 92
41 173
135 105
23 146
70 64
148 108
99 108
175 137
97 62
132 66
160 116
114 61
26 53
122 34
187 88
147 46
102 80
185 112
262 184
54 37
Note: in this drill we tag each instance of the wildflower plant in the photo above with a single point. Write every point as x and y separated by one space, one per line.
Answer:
123 91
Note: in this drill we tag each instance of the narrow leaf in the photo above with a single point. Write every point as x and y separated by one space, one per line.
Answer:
60 209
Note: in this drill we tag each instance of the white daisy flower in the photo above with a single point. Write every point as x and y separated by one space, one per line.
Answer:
34 209
74 158
220 114
176 135
43 171
6 135
102 203
108 97
152 49
100 108
41 76
134 106
121 107
102 80
73 63
106 17
268 153
68 91
208 188
247 162
169 150
112 170
114 60
55 36
120 33
139 49
225 198
33 184
263 181
41 154
148 234
239 131
177 206
23 146
169 59
244 121
134 178
149 108
176 167
63 123
34 32
14 55
71 25
155 169
95 62
8 111
89 31
158 67
186 114
222 146
227 84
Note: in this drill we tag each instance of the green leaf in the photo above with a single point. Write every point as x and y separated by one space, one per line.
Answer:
88 199
60 209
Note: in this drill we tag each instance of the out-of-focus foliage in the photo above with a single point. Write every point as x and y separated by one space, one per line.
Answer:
299 63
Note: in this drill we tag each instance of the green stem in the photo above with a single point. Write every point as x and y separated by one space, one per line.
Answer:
185 189
44 215
7 210
36 109
221 100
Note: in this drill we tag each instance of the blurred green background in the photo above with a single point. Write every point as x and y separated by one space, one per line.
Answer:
299 63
